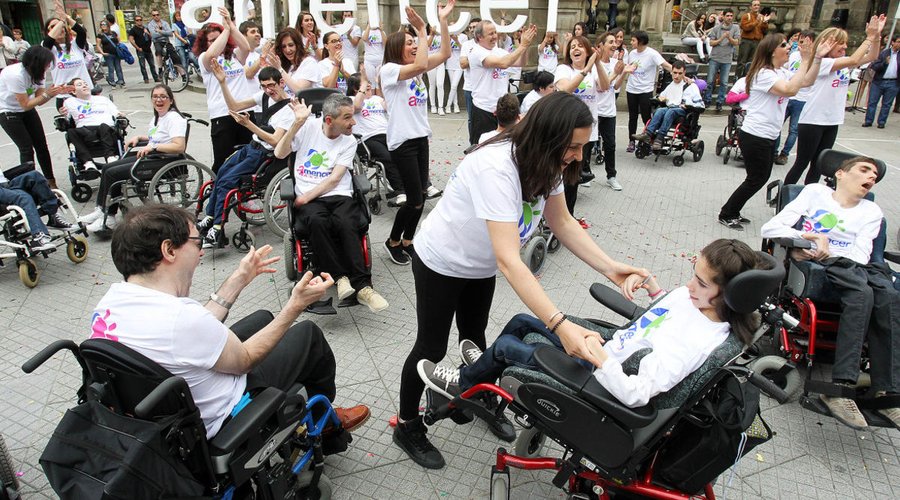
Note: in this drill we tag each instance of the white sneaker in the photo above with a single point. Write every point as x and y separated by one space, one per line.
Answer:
441 111
110 159
369 297
433 110
92 216
344 289
433 192
98 225
613 184
400 199
89 165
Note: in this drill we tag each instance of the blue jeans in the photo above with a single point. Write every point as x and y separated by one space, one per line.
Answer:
509 350
792 113
113 63
724 69
886 90
245 161
663 119
188 57
28 191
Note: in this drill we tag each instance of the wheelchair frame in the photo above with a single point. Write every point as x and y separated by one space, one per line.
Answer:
728 141
82 191
676 139
363 164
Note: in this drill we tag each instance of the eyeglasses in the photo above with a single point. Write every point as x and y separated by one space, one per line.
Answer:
198 239
159 97
267 86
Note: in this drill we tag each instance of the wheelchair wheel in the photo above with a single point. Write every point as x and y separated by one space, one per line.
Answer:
276 210
770 367
77 249
324 486
243 240
534 254
698 150
678 161
179 183
639 152
9 483
553 244
81 192
720 143
375 206
529 442
290 258
500 485
28 273
726 157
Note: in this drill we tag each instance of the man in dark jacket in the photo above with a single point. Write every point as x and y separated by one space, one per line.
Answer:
884 85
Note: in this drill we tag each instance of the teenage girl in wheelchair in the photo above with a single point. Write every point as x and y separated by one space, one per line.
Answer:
616 420
155 167
93 128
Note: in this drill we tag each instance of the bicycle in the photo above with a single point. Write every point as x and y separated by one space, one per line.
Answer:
173 72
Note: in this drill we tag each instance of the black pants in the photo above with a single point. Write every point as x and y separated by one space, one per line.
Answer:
482 121
606 125
377 145
226 134
811 140
112 174
301 356
571 190
335 226
26 131
411 159
438 299
870 308
145 54
746 49
81 137
638 103
759 155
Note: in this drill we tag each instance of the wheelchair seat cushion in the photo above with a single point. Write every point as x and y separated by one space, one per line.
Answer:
809 280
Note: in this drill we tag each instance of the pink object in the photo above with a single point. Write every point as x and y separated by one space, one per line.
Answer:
734 98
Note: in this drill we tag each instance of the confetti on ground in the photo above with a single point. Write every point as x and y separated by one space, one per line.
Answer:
759 457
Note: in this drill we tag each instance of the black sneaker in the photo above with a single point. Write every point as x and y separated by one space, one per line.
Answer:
396 253
57 221
204 224
743 220
469 352
409 250
718 107
731 223
501 426
412 438
215 238
586 177
41 242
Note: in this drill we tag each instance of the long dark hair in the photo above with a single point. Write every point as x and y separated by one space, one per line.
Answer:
298 25
540 140
172 106
300 52
325 54
68 38
762 58
393 47
35 61
727 258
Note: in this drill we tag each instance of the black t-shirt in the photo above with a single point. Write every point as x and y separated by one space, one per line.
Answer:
141 38
108 41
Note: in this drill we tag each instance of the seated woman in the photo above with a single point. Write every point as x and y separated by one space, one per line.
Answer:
682 328
95 120
166 134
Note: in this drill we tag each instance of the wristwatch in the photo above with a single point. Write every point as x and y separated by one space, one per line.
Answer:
219 300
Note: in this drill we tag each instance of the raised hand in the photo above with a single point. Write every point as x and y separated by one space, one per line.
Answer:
216 69
446 10
300 109
825 47
256 262
528 35
226 17
875 26
416 21
241 119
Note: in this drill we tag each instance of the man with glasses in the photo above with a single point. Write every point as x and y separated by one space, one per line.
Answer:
161 31
271 124
141 39
157 249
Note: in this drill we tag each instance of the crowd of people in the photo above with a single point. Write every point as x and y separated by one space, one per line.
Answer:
531 158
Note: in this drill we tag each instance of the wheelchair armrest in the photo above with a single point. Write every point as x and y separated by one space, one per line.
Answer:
892 257
165 156
773 192
61 123
362 184
615 302
570 373
287 189
793 243
249 420
18 170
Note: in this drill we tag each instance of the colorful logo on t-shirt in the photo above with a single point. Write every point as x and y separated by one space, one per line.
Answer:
419 92
370 107
794 66
454 45
822 221
152 132
373 40
530 216
316 165
548 52
582 90
83 110
498 74
231 67
435 45
841 78
29 91
651 320
66 61
100 328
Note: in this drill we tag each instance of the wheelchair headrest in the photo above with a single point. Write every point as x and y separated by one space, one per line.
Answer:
97 90
750 289
314 98
691 70
830 159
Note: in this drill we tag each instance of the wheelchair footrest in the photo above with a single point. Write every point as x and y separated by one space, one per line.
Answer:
322 307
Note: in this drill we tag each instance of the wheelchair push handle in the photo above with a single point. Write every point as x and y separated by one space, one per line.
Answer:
768 387
48 352
171 385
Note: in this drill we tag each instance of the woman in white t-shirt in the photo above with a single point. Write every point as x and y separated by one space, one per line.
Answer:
492 205
225 45
455 71
22 90
548 52
642 81
408 129
309 35
826 99
69 50
435 74
769 86
373 54
167 133
334 67
298 67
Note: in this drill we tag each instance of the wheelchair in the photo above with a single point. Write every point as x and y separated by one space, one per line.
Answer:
365 164
808 296
15 235
682 137
727 142
82 191
271 448
610 449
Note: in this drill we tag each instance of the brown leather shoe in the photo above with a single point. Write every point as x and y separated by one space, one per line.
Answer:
352 418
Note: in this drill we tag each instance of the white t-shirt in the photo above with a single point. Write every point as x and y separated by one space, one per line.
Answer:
644 77
548 59
15 80
308 70
455 51
253 83
488 84
850 231
317 156
454 239
351 52
466 51
827 97
793 65
235 79
169 126
740 86
374 52
326 65
587 90
372 119
180 335
487 135
91 112
68 65
407 104
529 100
681 338
606 99
765 111
677 94
283 118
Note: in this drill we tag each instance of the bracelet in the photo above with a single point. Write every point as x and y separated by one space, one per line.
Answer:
654 295
553 330
557 313
219 300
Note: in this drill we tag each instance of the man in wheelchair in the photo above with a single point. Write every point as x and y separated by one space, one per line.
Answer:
675 98
324 203
840 226
157 248
94 117
30 190
271 126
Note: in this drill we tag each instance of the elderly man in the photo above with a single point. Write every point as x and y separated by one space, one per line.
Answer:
753 28
487 69
157 249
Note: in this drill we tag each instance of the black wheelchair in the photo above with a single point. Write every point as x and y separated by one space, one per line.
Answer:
79 176
15 235
657 451
366 164
682 137
137 433
807 294
727 144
